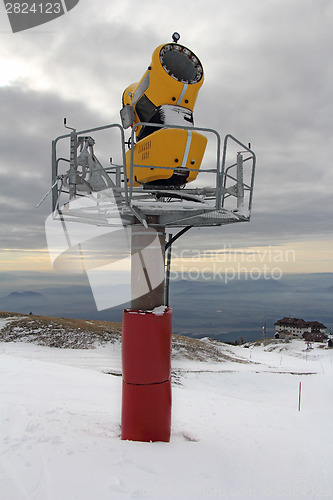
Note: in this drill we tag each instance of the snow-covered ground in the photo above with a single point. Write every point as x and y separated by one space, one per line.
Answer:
236 429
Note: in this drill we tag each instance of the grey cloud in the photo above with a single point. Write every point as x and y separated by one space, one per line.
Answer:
267 81
32 120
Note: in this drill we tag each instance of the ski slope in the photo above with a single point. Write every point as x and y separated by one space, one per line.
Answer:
236 429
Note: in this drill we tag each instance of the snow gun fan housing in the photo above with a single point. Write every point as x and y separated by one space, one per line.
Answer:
165 95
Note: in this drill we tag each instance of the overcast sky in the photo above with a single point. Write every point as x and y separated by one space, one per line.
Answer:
268 80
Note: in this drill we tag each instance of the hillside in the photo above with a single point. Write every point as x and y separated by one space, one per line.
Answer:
57 332
88 334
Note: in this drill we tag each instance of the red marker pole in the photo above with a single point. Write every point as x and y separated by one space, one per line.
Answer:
299 396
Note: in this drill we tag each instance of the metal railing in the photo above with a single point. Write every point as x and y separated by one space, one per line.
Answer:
73 136
227 176
123 185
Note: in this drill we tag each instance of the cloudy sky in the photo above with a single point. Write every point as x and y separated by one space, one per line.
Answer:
268 81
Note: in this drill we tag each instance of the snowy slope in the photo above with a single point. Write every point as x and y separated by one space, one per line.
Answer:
236 429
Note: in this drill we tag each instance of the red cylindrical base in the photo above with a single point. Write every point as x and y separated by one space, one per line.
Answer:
146 398
146 412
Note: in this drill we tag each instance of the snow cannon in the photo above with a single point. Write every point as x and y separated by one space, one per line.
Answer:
165 154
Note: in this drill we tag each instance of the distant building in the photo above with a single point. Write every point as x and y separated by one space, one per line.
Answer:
296 328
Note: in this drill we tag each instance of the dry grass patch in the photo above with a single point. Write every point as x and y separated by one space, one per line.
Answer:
59 332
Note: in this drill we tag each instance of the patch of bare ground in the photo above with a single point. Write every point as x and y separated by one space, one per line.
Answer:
86 334
5 315
58 332
201 350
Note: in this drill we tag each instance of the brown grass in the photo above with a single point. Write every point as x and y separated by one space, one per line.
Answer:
86 334
58 332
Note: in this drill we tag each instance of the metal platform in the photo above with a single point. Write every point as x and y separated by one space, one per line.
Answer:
85 190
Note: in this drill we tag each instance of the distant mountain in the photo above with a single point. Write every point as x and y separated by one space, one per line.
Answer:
23 302
24 295
226 311
241 307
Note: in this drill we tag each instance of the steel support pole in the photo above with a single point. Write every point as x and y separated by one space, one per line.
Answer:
146 343
147 267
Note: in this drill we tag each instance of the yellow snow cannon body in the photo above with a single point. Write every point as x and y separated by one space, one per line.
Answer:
165 95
